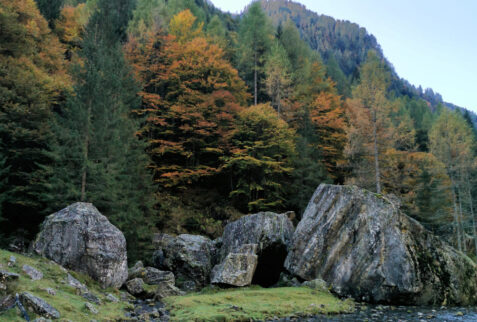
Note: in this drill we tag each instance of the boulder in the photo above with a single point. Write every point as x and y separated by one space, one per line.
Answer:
166 289
32 272
39 306
152 276
237 269
111 298
80 238
90 307
364 246
189 257
135 286
271 232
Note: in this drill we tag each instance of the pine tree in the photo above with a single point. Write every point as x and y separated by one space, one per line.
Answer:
100 160
255 36
33 82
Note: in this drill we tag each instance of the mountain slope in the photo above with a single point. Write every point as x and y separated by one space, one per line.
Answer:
346 43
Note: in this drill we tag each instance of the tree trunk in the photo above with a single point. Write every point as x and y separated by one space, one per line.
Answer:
456 220
471 202
461 219
376 154
86 148
255 81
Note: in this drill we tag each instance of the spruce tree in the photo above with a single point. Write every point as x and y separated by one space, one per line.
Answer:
100 159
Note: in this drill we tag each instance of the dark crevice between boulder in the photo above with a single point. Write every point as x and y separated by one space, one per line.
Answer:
270 265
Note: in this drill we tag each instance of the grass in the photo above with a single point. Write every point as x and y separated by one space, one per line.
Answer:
70 304
255 303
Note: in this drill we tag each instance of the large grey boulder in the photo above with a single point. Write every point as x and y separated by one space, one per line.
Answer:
365 247
80 238
238 268
189 257
271 232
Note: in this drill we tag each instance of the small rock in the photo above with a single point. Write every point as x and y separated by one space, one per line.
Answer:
39 306
134 271
319 284
135 286
6 302
34 274
126 297
12 261
41 320
91 297
90 307
111 298
76 284
3 287
8 276
153 276
165 290
236 270
459 313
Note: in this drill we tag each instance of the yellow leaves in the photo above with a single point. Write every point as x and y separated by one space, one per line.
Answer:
71 23
182 26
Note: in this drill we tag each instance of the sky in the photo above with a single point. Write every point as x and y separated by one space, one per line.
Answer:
432 43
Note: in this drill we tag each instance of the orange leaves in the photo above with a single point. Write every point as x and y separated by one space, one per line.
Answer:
71 23
191 97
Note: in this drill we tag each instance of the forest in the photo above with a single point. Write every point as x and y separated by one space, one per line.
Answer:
172 116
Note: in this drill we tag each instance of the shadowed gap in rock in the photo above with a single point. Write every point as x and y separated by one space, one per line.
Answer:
270 265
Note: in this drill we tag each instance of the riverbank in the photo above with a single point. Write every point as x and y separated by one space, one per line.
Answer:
255 303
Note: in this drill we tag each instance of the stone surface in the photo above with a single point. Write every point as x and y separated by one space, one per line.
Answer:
135 286
91 298
152 276
189 257
6 276
272 233
71 281
90 307
39 306
165 289
32 272
6 302
51 291
365 247
316 284
134 271
111 298
80 238
12 261
237 269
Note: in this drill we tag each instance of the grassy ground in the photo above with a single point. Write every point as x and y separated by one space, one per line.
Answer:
255 303
70 305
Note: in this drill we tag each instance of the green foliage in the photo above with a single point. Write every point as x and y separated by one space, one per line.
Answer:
32 83
255 39
50 9
261 161
99 158
255 303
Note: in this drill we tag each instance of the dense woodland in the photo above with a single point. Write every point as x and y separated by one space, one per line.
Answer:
173 116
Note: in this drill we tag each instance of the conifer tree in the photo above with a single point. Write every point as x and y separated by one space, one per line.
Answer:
100 159
255 39
33 82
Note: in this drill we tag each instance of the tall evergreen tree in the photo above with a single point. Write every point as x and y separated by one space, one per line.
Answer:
32 83
99 157
255 36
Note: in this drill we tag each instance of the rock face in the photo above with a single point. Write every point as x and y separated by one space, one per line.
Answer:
271 232
32 272
237 269
39 306
80 238
190 257
365 247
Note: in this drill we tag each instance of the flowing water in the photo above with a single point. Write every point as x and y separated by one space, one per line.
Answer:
398 313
